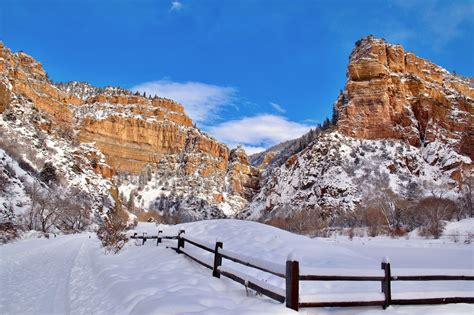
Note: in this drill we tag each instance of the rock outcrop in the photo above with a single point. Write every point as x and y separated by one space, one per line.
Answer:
393 94
244 178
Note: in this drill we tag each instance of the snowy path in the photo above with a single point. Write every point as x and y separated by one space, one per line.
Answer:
71 275
35 279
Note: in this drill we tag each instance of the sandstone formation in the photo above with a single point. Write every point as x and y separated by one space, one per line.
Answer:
393 94
245 179
130 136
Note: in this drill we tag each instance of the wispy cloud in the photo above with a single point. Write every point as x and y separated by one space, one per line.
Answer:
278 107
176 6
445 24
252 149
438 22
202 101
258 132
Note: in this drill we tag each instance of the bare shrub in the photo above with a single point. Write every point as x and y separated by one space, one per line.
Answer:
350 233
375 221
8 232
278 222
431 212
310 222
398 232
112 235
146 216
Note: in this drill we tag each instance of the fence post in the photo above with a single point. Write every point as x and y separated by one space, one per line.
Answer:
387 282
217 260
292 283
158 237
144 239
180 241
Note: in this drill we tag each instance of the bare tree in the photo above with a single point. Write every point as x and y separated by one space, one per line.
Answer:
432 211
375 220
466 200
36 194
48 209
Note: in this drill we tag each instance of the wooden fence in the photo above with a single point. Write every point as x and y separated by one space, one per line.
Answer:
293 274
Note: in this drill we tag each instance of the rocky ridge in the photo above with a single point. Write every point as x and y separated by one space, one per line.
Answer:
393 94
148 147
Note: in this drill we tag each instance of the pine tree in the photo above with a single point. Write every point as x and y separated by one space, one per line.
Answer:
131 202
335 115
48 173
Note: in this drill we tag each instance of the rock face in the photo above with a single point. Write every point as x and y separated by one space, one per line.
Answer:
404 125
245 179
148 146
392 94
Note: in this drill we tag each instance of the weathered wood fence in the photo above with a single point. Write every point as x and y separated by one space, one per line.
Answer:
293 274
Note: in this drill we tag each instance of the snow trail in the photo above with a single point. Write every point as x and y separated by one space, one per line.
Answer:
36 280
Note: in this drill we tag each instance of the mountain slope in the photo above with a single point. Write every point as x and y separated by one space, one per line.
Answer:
148 148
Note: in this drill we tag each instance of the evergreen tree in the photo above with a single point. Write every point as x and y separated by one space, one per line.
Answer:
335 115
326 124
131 202
48 173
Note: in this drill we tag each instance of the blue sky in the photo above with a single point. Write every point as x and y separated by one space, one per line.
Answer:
250 72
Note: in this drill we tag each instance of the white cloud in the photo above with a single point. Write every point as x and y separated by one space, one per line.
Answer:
447 24
176 6
438 22
202 101
252 150
278 107
258 132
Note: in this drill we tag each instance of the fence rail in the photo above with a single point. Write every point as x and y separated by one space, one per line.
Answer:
293 274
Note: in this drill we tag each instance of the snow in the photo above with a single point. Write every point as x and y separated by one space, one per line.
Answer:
343 297
431 272
248 279
273 267
463 227
431 295
341 272
196 254
200 242
71 274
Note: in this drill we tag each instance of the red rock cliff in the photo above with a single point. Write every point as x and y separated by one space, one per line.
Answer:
393 94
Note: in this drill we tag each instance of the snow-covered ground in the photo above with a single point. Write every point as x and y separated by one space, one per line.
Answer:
70 274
